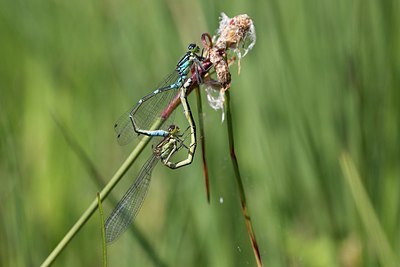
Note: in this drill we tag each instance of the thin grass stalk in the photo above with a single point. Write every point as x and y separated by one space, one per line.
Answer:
103 231
202 142
368 216
93 206
95 174
239 183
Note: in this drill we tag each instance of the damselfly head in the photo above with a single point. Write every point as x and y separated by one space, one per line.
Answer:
173 129
193 48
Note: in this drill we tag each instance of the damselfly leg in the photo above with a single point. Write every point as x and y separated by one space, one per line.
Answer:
143 117
128 207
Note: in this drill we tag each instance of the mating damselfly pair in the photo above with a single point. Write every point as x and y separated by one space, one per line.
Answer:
146 118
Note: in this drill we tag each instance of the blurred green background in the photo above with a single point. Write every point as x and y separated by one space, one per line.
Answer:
323 78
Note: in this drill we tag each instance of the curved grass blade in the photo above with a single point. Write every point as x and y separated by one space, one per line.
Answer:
239 183
369 218
103 233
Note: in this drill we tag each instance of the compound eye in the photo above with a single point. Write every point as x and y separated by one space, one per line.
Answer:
171 128
191 47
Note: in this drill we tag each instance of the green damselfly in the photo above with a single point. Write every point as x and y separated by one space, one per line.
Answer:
128 207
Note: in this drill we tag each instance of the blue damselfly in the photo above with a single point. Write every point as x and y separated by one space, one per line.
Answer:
142 118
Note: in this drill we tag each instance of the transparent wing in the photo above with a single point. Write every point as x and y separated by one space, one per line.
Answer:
123 129
128 207
147 112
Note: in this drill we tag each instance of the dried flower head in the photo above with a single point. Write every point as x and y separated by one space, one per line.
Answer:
237 34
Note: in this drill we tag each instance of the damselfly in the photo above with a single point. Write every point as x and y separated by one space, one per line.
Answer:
142 118
128 207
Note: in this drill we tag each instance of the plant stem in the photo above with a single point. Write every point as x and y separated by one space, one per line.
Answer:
239 182
93 206
203 144
366 211
95 174
103 232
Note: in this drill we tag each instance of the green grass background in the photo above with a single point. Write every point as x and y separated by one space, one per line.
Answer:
323 78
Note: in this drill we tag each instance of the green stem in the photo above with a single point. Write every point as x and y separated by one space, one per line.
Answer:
202 142
367 213
239 183
93 206
103 232
90 166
